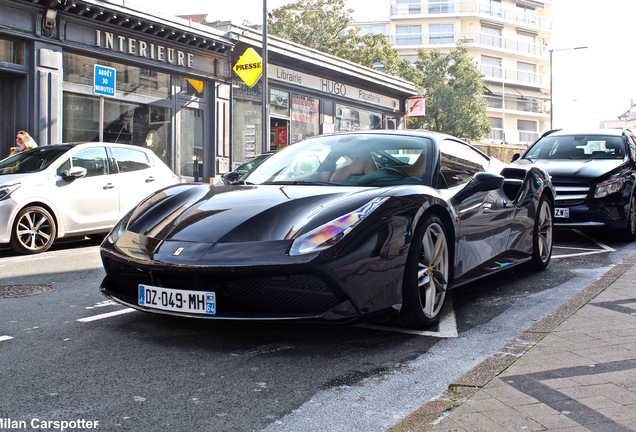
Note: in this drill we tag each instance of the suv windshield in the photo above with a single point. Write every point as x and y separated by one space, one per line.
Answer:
33 160
355 160
577 147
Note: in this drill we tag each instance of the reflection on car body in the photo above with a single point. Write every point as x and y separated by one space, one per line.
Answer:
593 172
375 223
68 190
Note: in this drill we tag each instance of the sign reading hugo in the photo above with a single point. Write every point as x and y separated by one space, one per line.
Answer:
249 67
105 79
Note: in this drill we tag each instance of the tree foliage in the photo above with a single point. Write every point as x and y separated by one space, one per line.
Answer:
453 87
326 25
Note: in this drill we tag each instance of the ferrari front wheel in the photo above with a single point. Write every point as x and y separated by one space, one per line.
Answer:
426 275
542 235
34 231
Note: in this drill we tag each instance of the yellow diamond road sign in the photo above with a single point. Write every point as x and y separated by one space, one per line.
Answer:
249 67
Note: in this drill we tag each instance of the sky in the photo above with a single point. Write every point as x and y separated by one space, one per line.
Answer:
589 85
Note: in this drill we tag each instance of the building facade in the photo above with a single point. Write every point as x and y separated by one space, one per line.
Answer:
508 40
310 93
96 71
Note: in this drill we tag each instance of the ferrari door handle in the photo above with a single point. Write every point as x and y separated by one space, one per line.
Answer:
150 179
109 186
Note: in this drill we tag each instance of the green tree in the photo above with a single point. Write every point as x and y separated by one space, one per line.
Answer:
326 25
454 89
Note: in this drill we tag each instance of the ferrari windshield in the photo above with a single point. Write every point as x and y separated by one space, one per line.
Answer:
577 147
34 160
349 159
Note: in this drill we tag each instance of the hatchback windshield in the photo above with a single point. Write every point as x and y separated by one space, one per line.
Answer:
361 159
577 147
33 160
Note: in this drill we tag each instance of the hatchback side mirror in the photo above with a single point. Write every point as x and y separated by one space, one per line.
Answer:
73 173
515 156
230 177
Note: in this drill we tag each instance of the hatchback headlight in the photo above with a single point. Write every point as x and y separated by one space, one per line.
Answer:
7 190
332 232
609 187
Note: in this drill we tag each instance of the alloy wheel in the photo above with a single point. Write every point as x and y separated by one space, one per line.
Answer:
432 274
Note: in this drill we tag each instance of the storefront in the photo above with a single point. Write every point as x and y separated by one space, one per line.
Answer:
95 71
310 93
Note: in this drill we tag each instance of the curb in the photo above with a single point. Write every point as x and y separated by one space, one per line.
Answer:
463 388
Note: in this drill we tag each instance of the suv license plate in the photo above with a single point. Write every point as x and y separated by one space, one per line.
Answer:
562 212
175 300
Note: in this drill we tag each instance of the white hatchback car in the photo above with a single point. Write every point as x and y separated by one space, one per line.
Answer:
66 190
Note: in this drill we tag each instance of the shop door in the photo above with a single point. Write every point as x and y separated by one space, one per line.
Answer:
8 127
192 144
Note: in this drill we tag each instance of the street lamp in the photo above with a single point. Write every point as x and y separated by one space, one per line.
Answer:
551 105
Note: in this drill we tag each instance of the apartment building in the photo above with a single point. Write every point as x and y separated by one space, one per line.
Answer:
508 39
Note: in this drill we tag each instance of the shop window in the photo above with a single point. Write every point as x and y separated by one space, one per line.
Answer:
11 51
352 119
191 87
279 103
79 69
305 117
246 122
80 119
192 138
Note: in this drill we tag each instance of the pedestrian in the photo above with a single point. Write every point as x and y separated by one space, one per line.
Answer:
23 141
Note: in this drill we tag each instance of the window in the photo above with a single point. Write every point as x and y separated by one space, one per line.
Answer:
94 160
79 69
130 160
491 66
279 103
305 117
526 15
11 52
408 34
526 43
527 130
491 7
191 87
496 127
441 6
408 7
441 34
491 36
353 119
460 163
526 72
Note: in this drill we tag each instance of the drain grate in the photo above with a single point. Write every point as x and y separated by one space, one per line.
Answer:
12 291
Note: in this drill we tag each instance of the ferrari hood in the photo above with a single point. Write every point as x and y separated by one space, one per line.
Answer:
576 168
227 214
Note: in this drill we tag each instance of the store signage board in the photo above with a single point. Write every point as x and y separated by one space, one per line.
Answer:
416 107
105 81
249 67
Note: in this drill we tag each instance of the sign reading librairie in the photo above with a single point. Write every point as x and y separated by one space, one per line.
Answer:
105 80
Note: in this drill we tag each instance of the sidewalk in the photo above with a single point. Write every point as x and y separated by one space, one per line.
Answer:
575 370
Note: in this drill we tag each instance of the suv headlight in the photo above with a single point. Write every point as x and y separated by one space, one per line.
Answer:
7 190
609 187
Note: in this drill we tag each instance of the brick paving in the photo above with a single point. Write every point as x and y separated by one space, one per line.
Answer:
574 370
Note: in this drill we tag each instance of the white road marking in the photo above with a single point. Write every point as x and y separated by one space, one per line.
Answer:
106 315
5 338
447 327
587 251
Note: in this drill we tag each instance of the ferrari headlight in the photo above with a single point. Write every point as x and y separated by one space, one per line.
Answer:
7 190
609 187
332 232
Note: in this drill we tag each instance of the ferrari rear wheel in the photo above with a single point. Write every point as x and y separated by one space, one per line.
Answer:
426 275
542 235
33 231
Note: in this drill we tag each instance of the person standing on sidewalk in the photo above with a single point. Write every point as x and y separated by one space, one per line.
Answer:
23 141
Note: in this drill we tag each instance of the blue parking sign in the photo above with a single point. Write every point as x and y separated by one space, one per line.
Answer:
104 82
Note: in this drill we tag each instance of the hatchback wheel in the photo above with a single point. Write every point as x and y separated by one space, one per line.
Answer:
33 231
426 275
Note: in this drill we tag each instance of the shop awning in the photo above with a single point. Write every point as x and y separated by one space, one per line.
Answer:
502 90
532 93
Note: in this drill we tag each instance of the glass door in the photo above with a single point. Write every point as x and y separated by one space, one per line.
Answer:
191 143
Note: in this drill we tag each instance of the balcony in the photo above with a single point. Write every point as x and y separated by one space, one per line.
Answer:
513 76
470 8
530 106
476 39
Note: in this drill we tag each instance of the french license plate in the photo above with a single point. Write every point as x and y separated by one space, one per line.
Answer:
562 212
175 300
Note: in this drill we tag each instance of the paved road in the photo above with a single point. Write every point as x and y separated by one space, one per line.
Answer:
67 353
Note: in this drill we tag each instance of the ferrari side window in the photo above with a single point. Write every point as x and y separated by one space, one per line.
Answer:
459 162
